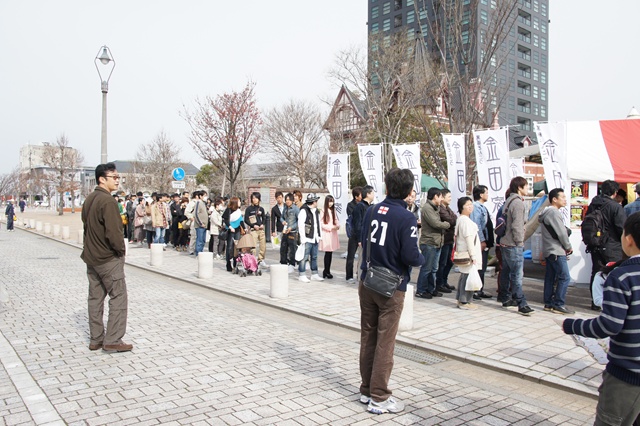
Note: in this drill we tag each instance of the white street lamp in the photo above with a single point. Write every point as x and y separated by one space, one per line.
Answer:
104 64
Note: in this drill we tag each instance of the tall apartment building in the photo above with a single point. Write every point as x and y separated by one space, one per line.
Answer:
524 67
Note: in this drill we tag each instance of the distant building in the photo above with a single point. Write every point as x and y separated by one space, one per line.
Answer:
347 121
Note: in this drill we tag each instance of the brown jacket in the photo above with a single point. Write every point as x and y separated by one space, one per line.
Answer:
447 215
103 234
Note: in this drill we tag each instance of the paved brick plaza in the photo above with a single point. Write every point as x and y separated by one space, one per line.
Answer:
202 357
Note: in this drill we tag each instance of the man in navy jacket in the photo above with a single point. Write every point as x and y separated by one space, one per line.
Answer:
393 231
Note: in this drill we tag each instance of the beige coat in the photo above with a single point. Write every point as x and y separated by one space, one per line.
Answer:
467 240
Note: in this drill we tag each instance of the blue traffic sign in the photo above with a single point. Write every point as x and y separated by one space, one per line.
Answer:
178 173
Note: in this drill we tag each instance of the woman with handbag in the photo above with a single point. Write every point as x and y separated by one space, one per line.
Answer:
232 221
467 253
329 242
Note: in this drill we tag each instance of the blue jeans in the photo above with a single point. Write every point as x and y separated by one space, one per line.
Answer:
201 236
557 269
512 274
159 236
310 251
444 265
427 275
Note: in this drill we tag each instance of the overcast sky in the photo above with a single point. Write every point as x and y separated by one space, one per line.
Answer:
167 53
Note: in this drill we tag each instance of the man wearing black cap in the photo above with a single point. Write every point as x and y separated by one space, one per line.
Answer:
310 235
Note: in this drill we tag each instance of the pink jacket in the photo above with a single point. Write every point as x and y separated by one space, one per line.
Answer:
329 241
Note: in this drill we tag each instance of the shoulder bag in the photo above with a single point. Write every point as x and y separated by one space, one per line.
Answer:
378 278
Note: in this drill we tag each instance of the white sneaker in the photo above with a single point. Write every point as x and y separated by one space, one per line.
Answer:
364 399
263 264
304 279
291 269
316 277
391 405
351 281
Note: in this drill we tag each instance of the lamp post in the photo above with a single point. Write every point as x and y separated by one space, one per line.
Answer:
104 64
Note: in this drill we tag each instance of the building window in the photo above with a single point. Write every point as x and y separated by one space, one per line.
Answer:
375 28
494 4
543 111
512 65
536 23
512 118
543 60
536 5
484 17
543 95
536 40
525 124
524 53
524 18
535 74
535 92
410 2
543 43
524 71
524 35
397 21
485 2
524 106
411 16
411 34
375 12
386 41
543 9
465 36
398 4
423 15
386 24
536 109
494 61
543 28
524 88
465 17
536 57
386 7
543 77
512 103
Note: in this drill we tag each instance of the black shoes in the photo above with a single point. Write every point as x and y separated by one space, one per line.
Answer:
443 289
327 275
561 310
484 295
525 310
595 307
436 294
426 295
510 303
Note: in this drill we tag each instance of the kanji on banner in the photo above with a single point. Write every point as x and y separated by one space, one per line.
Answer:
492 162
408 157
338 183
454 147
371 164
552 138
516 167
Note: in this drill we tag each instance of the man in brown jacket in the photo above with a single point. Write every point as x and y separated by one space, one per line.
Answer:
103 253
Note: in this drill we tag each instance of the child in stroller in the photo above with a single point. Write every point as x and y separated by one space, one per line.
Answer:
246 262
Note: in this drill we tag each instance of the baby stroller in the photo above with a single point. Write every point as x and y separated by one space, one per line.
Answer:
246 262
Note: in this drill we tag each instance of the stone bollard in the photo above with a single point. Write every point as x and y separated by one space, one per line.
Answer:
80 237
56 230
205 264
37 225
65 232
406 318
279 281
156 254
46 228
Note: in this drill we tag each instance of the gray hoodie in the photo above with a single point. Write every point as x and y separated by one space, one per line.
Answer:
514 210
551 216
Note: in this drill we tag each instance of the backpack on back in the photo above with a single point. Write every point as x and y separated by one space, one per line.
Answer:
501 223
348 227
592 229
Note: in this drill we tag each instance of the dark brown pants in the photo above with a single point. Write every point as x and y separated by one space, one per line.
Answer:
379 318
104 279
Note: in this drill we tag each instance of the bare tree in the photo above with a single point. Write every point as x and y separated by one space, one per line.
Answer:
64 162
294 133
225 128
468 48
10 183
153 165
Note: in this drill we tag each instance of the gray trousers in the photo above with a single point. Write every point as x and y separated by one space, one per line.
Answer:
192 238
107 279
618 403
462 295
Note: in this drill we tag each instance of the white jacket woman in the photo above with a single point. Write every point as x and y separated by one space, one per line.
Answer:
467 240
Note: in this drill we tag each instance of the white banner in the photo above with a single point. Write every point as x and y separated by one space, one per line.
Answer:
371 164
492 162
338 183
408 157
454 147
552 138
516 167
